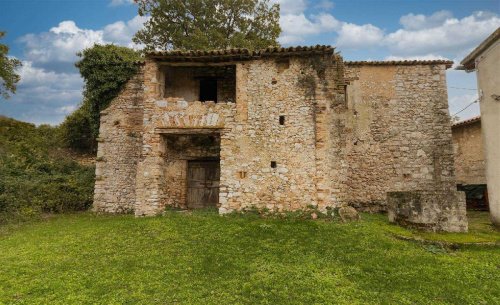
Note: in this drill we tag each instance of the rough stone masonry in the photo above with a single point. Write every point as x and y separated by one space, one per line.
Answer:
281 129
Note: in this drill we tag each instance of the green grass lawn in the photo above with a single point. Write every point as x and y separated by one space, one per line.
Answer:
203 258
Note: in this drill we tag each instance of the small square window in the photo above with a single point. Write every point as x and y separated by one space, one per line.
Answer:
274 164
282 120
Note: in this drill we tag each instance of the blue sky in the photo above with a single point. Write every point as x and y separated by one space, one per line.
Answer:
46 34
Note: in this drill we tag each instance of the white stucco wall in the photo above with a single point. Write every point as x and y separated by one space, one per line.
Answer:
488 77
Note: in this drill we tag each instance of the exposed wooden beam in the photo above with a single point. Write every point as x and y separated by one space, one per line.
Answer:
189 131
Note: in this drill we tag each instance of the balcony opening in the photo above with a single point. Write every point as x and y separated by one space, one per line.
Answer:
215 83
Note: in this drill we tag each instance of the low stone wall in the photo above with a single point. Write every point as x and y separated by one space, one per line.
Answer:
428 210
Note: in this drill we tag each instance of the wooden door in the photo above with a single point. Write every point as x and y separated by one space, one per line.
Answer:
203 184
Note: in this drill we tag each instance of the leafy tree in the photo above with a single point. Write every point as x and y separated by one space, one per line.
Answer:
208 24
8 76
76 130
105 69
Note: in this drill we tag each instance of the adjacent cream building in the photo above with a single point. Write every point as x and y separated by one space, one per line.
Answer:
485 60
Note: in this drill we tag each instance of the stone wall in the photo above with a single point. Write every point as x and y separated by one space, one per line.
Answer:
120 141
258 139
291 138
301 91
398 135
161 116
469 155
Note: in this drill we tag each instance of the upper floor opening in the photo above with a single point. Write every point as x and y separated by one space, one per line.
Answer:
216 83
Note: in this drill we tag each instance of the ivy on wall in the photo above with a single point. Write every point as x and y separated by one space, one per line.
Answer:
105 70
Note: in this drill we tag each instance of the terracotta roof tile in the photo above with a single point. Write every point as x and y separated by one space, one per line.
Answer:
239 54
448 63
467 122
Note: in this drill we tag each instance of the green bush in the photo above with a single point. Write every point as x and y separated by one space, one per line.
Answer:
76 130
37 175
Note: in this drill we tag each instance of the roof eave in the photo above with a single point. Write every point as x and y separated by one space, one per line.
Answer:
447 63
469 61
467 122
238 54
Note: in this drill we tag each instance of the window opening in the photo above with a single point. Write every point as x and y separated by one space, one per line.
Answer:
208 89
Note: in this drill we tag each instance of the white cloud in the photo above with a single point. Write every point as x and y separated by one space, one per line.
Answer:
122 32
358 36
291 6
43 96
121 2
47 86
50 86
296 27
325 5
31 75
422 36
59 44
443 34
413 22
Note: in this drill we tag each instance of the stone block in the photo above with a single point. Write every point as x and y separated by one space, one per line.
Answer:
428 210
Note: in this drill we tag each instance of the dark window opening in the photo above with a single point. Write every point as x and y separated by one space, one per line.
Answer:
208 89
476 196
282 120
273 164
346 100
283 64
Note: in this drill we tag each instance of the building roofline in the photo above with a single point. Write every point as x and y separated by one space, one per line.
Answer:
468 63
447 63
238 54
467 122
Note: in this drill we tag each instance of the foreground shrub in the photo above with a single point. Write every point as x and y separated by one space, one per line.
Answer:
36 175
76 130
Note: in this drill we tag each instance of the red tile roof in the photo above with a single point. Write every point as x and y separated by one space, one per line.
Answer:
448 63
467 122
239 54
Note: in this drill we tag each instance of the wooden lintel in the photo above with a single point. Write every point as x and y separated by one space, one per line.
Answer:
189 131
196 64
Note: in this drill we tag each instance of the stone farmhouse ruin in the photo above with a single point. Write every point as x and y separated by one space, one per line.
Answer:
281 129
